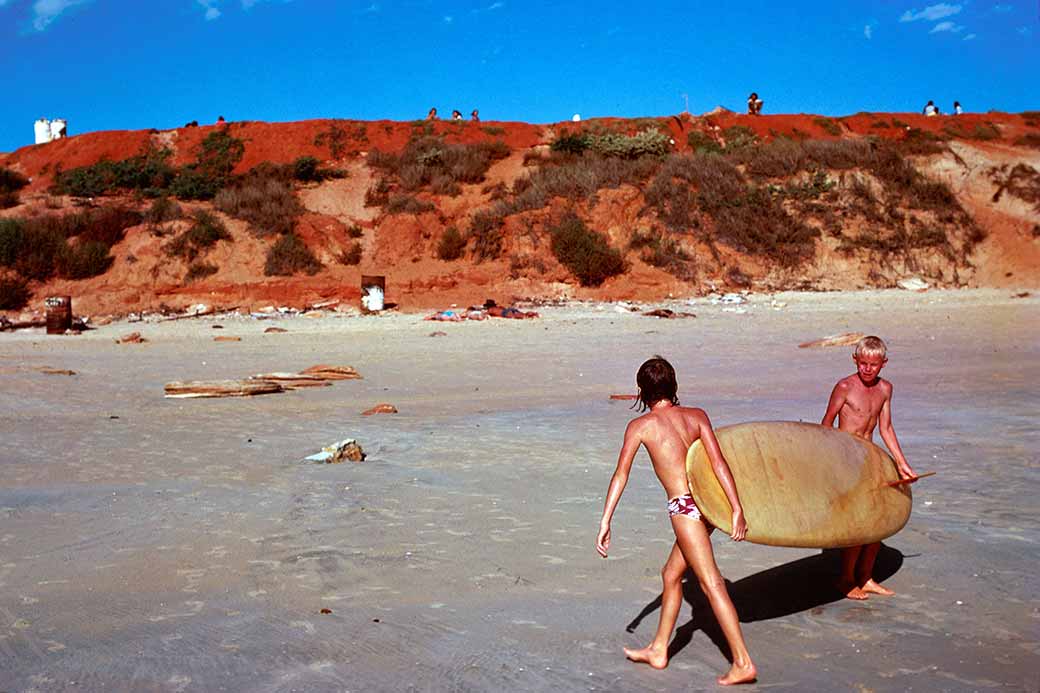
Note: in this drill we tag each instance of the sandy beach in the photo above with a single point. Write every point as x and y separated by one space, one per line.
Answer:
150 544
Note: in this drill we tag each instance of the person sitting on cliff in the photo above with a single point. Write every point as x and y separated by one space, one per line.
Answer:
474 116
957 110
930 109
456 115
754 104
432 115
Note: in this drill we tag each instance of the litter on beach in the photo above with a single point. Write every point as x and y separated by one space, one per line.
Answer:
912 284
383 408
326 372
346 449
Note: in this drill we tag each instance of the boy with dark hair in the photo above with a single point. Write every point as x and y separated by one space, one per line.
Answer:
863 402
667 431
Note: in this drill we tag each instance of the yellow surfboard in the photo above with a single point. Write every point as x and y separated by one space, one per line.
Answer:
802 485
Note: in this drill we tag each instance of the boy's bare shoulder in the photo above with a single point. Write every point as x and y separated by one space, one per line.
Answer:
885 386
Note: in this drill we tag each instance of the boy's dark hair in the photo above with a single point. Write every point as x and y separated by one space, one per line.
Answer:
656 381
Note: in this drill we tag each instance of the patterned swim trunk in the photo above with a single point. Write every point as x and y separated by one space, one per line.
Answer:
683 505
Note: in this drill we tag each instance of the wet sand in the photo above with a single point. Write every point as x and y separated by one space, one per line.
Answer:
149 544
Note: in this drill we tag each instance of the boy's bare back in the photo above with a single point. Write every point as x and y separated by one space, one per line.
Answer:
668 434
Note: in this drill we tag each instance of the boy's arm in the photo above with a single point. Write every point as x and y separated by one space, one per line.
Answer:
617 485
888 434
837 401
725 477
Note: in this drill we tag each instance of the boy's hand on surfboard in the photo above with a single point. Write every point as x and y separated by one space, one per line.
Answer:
603 540
739 526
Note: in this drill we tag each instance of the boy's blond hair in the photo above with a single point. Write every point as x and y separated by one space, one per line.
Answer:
871 346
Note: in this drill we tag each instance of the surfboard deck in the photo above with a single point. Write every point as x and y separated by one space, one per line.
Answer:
802 485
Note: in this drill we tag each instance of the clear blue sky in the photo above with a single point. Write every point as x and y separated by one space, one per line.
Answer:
122 64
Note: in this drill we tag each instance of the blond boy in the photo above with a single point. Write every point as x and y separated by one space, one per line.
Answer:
863 402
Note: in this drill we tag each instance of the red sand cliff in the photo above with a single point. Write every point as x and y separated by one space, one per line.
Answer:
403 246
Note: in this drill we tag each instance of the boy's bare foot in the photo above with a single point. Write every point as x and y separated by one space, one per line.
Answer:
745 673
852 591
875 588
657 658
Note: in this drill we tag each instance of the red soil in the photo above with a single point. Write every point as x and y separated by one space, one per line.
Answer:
403 247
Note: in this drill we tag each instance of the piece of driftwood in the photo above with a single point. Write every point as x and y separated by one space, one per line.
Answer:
221 388
625 397
332 372
275 330
843 339
227 338
383 408
291 381
56 371
667 314
132 338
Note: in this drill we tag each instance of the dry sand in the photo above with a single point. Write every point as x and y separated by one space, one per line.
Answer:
182 545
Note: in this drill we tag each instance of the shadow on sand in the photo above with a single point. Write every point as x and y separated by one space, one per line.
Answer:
786 589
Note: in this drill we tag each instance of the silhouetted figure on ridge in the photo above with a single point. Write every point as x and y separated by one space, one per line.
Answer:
754 104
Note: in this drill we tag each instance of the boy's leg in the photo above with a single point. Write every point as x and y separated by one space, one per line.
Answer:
847 582
692 538
865 570
656 653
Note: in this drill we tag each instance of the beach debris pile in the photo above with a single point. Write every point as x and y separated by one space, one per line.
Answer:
843 339
347 449
382 408
261 384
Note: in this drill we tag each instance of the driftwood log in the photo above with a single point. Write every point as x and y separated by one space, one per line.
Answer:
221 388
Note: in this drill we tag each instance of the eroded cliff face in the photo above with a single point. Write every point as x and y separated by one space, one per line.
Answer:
719 202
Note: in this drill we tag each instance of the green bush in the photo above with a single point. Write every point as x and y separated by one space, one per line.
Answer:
425 159
306 168
828 125
290 255
570 144
163 209
486 231
262 199
206 230
14 292
584 252
199 270
192 184
664 253
738 136
451 245
148 172
408 204
10 183
83 260
352 255
702 143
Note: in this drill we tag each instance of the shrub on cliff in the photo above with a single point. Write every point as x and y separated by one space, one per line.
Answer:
289 255
10 183
429 159
451 245
206 230
14 292
264 200
83 260
584 252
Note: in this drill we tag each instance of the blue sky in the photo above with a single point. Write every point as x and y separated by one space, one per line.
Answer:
121 64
